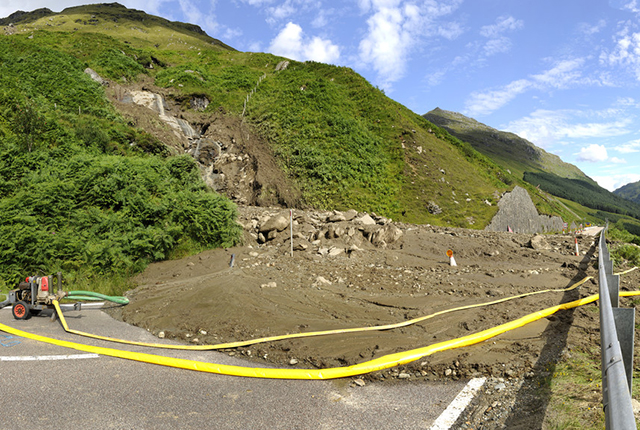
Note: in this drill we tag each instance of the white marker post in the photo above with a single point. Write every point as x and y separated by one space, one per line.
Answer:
577 252
291 228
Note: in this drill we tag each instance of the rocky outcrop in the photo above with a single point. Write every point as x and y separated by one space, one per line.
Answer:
518 213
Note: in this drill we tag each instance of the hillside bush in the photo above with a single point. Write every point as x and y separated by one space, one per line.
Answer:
627 253
80 190
108 213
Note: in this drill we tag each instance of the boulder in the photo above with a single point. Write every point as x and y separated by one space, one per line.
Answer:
277 222
350 215
386 235
336 216
538 242
334 232
365 220
95 76
433 208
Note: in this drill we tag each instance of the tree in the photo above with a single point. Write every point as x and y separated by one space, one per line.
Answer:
28 123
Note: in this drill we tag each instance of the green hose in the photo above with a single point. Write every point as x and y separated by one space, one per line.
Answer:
90 295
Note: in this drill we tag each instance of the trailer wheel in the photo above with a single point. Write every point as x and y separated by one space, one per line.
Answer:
21 310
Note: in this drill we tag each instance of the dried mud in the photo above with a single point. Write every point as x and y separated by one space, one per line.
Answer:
267 292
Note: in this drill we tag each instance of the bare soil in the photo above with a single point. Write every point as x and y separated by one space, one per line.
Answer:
268 292
343 274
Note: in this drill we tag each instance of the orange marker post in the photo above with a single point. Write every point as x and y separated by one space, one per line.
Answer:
452 261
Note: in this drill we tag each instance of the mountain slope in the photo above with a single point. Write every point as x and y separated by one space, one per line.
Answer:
630 192
547 172
507 149
115 20
262 129
340 142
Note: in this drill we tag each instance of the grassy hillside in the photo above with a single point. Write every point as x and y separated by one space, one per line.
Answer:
81 190
507 149
630 192
583 192
340 140
115 199
571 194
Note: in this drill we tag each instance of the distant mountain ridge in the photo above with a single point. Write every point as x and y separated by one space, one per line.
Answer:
92 18
534 165
507 149
630 192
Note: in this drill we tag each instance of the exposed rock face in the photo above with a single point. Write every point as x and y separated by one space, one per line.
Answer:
517 211
233 160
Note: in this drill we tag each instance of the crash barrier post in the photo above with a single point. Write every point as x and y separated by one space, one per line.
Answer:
617 327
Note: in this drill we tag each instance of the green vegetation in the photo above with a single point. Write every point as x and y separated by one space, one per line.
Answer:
630 192
81 191
574 389
114 201
583 192
624 246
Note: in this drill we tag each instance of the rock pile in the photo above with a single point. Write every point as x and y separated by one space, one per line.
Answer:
324 233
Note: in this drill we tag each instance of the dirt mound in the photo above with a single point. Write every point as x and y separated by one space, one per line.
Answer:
201 299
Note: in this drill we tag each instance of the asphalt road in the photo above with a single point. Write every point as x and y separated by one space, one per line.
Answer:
46 386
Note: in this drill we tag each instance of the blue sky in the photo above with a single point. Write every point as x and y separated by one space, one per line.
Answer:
564 74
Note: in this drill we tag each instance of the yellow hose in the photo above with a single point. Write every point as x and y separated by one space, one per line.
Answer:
625 272
307 334
380 363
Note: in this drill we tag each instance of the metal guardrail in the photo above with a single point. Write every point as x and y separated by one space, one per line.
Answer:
617 327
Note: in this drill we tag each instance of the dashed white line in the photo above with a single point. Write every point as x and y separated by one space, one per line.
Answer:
48 357
459 404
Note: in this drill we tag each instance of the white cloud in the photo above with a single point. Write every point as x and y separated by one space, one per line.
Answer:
613 182
626 52
498 43
395 29
593 153
486 102
280 12
292 43
629 147
386 46
257 2
497 46
629 5
547 127
563 74
502 25
589 30
617 160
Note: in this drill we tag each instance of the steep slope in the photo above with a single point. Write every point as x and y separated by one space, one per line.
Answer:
507 149
630 192
82 190
338 142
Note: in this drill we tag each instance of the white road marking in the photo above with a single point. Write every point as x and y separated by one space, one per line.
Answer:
459 404
48 357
